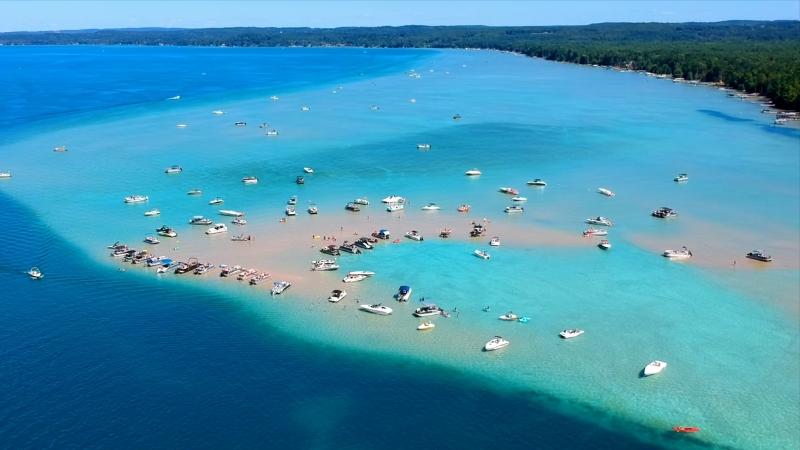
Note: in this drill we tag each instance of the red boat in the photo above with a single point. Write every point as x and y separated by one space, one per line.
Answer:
682 429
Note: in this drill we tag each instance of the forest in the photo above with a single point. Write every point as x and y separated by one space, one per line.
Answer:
753 56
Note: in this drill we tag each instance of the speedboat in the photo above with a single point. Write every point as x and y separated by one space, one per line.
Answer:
361 201
153 212
473 172
177 97
374 107
166 231
413 101
604 244
290 211
194 192
759 255
364 243
478 230
239 221
424 146
312 209
242 238
136 199
280 286
187 267
365 273
169 267
218 112
240 124
463 208
481 254
595 232
5 174
292 200
685 429
429 309
60 149
780 121
510 316
246 273
393 199
350 206
353 278
495 242
231 213
330 250
495 344
382 234
173 169
377 309
431 207
600 221
274 97
181 125
665 213
654 368
445 233
682 177
337 295
537 182
514 209
249 180
123 252
413 234
217 228
426 326
199 220
519 199
605 192
157 261
151 240
308 170
683 253
349 248
324 264
457 117
264 125
305 108
259 278
403 293
272 133
566 334
300 180
203 268
216 201
35 273
395 207
228 271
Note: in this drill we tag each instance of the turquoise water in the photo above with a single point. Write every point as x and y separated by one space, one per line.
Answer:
725 331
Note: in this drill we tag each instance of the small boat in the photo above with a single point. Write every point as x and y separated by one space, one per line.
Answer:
509 316
239 221
377 309
312 209
218 112
382 234
199 220
35 273
300 180
364 243
204 268
759 255
457 117
495 242
537 182
519 199
157 261
177 97
350 206
272 133
5 174
305 108
216 201
431 207
514 209
481 254
430 309
195 192
684 429
478 230
604 244
445 233
350 248
240 124
230 213
780 121
290 211
473 173
187 267
60 149
567 334
153 212
365 273
682 177
396 241
136 199
173 169
600 221
395 207
523 319
330 250
324 264
403 294
426 326
123 252
228 271
374 108
463 208
151 240
605 192
242 238
354 278
423 146
393 199
665 213
361 201
218 228
169 267
413 234
308 170
337 295
684 253
279 287
181 125
595 232
413 101
264 125
495 344
259 278
274 97
292 200
654 368
166 231
246 273
249 180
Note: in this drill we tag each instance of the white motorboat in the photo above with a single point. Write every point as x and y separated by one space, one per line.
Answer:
240 124
414 235
567 334
473 173
604 244
136 199
350 206
274 97
308 170
204 268
231 213
216 201
393 199
249 180
595 232
665 213
217 228
157 261
280 286
682 177
5 174
361 201
495 242
324 264
151 240
481 254
354 278
290 211
395 207
519 199
60 149
228 271
426 326
423 146
759 255
246 273
218 112
195 192
181 125
374 108
430 309
377 309
305 108
605 192
171 267
600 221
153 212
509 316
431 207
683 253
242 238
199 220
337 295
403 293
173 169
272 133
177 97
358 273
514 209
654 368
239 221
312 209
35 273
264 125
495 344
413 101
292 200
537 182
259 278
166 231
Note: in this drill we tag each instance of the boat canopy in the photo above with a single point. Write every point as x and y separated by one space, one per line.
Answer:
404 288
166 261
429 305
384 231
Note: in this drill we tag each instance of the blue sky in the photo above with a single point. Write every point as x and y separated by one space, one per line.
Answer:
69 15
